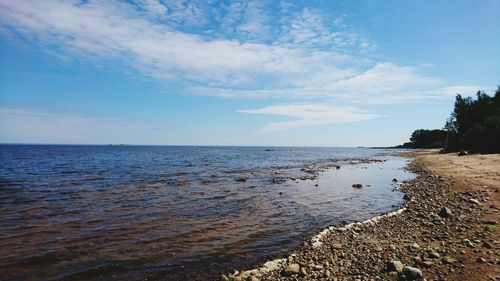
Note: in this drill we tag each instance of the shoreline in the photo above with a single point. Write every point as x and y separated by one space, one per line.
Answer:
432 234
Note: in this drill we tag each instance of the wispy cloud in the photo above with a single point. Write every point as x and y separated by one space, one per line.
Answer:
226 50
111 31
307 114
384 83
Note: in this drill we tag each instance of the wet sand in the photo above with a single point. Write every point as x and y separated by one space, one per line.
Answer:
447 230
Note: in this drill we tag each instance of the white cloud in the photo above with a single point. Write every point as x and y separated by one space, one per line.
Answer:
310 56
105 32
384 83
255 24
153 7
310 114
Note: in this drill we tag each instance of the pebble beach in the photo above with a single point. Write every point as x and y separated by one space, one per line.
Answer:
440 233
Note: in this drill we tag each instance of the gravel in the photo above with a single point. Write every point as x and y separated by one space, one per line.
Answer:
429 236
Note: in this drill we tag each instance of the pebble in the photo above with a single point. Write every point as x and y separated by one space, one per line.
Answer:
337 246
393 265
292 268
448 260
434 255
474 201
481 260
428 263
445 212
418 260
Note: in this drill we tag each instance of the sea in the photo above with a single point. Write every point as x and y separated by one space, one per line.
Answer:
120 212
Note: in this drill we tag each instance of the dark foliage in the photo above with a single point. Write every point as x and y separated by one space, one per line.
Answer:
428 138
475 123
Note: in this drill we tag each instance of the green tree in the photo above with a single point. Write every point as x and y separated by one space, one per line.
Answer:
475 123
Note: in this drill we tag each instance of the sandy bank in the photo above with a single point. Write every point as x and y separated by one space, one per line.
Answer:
440 234
466 173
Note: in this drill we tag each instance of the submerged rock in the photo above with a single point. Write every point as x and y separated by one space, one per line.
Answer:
357 185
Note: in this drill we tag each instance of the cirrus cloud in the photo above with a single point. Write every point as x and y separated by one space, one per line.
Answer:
307 114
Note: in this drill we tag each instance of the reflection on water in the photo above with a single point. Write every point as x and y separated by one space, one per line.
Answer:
161 213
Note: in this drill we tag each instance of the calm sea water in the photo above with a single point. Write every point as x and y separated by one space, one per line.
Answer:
168 213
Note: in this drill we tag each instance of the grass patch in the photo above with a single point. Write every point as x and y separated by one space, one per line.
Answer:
491 227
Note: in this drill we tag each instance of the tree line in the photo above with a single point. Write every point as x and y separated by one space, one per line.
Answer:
474 125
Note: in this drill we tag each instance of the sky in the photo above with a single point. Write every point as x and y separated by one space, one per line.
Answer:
279 73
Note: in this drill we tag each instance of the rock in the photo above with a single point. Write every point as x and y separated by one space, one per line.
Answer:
318 267
480 260
487 245
445 213
252 278
415 246
412 273
224 277
278 180
394 180
393 265
303 271
448 260
418 260
327 273
468 243
236 278
292 268
434 255
357 185
241 180
474 201
427 264
463 153
337 246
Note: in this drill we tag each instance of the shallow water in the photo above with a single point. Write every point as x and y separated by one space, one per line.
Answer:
166 212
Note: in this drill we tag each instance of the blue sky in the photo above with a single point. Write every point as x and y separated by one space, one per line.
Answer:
306 73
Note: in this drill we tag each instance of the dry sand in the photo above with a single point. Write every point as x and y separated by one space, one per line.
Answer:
466 173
